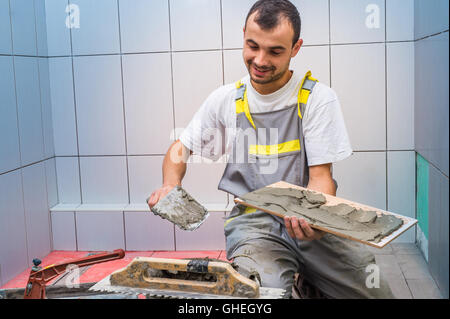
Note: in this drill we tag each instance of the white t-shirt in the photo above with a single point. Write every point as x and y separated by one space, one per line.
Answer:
211 132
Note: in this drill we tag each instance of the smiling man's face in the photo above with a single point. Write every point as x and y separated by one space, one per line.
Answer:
267 54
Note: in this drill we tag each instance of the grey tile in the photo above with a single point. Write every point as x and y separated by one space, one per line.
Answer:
413 266
405 249
400 288
434 220
389 268
424 289
443 275
63 231
386 250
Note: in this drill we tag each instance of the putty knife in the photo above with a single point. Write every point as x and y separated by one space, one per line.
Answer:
181 209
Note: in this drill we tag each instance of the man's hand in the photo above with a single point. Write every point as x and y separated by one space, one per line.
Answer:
300 229
159 194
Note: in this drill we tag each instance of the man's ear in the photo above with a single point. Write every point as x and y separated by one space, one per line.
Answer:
296 47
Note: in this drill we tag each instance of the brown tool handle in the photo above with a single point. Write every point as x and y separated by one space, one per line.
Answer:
35 288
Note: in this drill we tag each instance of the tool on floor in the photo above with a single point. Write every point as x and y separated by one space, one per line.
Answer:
183 278
39 277
181 209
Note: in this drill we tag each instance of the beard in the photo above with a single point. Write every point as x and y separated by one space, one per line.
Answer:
272 75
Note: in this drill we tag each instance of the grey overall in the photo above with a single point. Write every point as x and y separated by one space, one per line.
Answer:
258 242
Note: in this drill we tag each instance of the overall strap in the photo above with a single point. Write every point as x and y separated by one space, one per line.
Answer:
306 88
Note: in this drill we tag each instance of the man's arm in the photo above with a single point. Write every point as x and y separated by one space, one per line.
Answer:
320 180
174 169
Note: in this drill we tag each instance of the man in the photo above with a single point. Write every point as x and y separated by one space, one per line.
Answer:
277 125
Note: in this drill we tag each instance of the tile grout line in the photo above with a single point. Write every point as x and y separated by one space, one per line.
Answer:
123 103
386 104
75 110
171 70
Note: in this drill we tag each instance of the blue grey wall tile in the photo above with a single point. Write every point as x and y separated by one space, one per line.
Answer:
23 27
41 27
144 25
9 133
98 32
63 231
145 231
104 180
58 33
63 107
5 28
99 104
431 121
13 258
36 211
46 107
430 17
29 109
52 185
100 231
68 177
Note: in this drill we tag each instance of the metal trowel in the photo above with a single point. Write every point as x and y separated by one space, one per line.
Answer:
181 209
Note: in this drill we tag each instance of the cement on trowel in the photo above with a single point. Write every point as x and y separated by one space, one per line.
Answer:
345 219
181 209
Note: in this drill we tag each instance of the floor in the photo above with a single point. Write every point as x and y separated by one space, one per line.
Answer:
401 264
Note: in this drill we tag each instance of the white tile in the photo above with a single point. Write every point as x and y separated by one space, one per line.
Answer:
36 211
362 178
100 231
195 25
316 59
58 34
430 17
68 178
23 27
144 25
13 258
314 21
63 231
5 28
98 92
52 183
431 99
29 109
234 13
9 133
357 21
145 173
148 102
401 188
209 236
399 20
104 180
233 65
63 107
195 76
41 27
98 31
145 231
400 96
46 107
201 181
358 77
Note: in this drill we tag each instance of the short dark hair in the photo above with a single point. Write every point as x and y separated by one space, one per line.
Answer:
270 12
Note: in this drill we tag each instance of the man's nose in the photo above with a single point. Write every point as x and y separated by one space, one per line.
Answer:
261 59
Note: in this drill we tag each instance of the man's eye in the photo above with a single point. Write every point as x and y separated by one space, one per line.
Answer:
276 53
253 47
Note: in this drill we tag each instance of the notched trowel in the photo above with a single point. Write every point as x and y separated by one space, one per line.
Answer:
184 278
181 209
